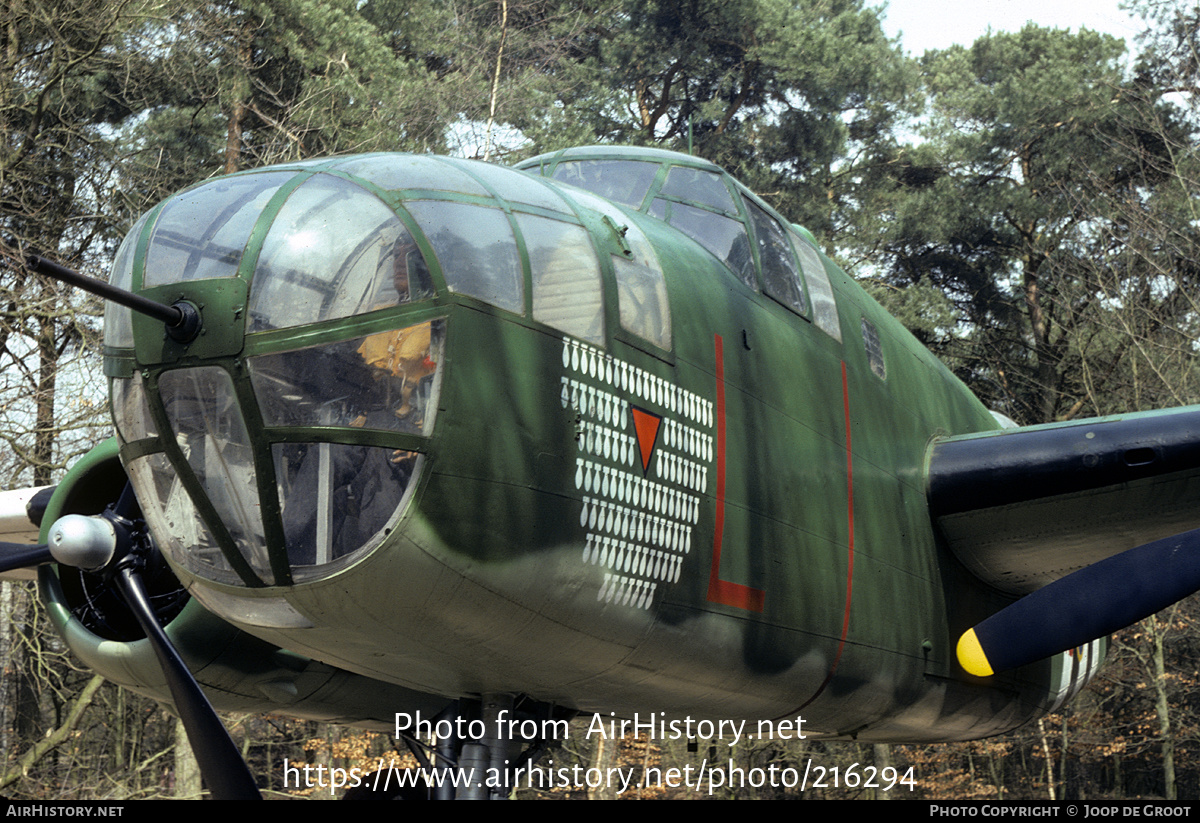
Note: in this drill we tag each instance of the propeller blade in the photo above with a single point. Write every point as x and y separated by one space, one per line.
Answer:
220 761
1085 605
22 556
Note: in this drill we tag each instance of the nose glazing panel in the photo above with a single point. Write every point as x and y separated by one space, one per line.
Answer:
209 429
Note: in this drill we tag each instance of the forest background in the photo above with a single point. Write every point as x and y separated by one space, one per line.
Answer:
1024 205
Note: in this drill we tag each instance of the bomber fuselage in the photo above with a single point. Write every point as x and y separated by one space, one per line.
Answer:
493 434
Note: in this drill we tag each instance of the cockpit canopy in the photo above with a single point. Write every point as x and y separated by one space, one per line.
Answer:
702 201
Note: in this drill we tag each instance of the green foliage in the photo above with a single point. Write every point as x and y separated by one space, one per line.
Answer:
249 83
1041 169
1170 45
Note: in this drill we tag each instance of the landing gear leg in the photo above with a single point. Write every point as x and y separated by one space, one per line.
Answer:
480 759
490 759
448 750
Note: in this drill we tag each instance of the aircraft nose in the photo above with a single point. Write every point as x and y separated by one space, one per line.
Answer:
279 445
282 443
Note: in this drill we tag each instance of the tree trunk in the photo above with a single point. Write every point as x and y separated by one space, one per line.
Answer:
45 432
491 121
187 770
604 758
1162 709
883 760
1049 761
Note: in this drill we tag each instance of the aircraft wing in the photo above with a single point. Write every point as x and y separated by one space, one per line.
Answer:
20 521
1024 507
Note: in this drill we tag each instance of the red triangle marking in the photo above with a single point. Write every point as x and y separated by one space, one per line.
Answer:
646 424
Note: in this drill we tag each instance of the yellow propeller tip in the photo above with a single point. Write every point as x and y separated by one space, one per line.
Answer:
971 655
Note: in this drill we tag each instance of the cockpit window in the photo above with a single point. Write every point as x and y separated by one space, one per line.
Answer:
641 290
513 186
335 250
208 427
781 279
825 313
476 249
131 412
118 323
393 172
699 186
566 277
202 232
697 203
173 519
725 237
621 181
385 381
337 500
